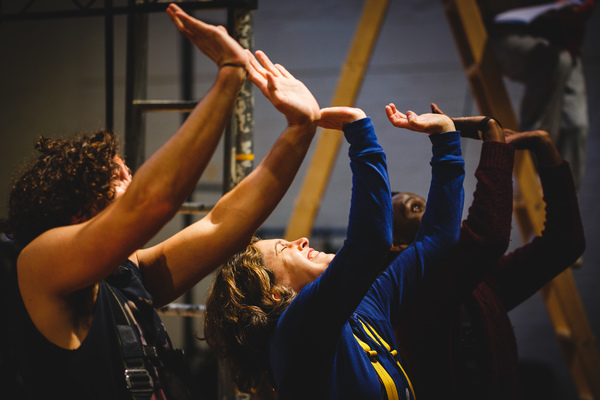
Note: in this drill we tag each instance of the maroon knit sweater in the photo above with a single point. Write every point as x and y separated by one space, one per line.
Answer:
455 337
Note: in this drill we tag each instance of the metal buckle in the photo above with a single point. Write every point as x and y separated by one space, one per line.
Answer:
139 380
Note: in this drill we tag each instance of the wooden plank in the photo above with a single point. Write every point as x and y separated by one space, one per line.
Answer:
576 339
326 150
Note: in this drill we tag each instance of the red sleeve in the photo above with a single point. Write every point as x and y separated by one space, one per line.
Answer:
524 271
485 234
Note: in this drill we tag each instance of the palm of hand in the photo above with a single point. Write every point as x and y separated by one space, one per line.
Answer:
428 122
293 99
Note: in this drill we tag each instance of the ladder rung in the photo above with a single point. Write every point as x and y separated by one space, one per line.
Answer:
194 208
183 310
165 105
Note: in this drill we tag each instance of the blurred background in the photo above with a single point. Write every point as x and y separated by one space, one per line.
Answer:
52 82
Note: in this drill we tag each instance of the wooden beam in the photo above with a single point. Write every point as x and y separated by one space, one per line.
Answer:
323 159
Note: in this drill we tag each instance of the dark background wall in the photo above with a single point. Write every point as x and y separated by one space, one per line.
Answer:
52 83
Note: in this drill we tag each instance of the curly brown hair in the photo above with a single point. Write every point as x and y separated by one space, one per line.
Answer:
241 312
69 178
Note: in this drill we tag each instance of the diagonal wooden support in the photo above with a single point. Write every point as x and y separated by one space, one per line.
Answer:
319 170
576 339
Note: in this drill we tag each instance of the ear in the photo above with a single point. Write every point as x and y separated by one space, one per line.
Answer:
275 295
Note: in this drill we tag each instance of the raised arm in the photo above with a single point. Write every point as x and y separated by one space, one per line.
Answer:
335 294
524 271
66 259
438 233
485 233
441 221
174 266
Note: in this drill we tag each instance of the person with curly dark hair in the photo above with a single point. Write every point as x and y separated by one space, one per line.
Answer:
69 174
84 324
320 326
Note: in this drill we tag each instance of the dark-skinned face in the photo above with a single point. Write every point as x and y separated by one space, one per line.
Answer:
408 211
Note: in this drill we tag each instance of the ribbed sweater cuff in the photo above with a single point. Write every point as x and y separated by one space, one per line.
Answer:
497 155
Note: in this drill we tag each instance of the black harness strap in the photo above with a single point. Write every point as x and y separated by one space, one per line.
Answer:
137 377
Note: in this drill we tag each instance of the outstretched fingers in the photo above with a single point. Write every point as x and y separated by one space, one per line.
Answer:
213 41
396 118
276 70
428 123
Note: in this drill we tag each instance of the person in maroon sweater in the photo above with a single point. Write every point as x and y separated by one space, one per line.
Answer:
456 338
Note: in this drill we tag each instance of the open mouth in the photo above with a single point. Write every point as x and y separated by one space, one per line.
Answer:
312 254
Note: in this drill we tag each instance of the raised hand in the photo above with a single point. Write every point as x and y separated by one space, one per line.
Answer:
470 127
337 117
429 123
538 142
213 41
286 93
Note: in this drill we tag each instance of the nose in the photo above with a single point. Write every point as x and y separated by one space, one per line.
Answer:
300 243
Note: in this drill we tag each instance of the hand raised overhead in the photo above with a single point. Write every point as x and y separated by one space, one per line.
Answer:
213 41
286 93
429 123
538 142
474 127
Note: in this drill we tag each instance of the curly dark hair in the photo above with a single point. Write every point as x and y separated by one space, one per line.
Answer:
241 312
70 178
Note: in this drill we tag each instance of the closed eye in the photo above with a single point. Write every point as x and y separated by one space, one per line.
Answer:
281 247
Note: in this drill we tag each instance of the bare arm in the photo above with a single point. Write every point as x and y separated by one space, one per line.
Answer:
174 266
70 258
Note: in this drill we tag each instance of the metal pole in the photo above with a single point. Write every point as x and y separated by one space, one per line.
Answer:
109 65
239 152
137 71
239 148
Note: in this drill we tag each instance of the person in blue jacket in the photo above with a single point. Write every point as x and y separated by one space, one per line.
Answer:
320 325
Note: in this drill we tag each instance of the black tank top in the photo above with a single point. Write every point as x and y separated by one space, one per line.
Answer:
95 370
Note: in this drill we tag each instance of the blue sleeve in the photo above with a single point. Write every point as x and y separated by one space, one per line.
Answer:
437 235
333 296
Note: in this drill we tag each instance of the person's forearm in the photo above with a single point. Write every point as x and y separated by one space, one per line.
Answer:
546 153
200 248
371 208
259 193
172 172
441 222
485 234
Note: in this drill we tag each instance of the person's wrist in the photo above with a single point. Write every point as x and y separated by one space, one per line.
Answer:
232 75
355 116
492 132
447 126
306 121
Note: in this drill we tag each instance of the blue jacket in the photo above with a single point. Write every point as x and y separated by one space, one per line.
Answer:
313 351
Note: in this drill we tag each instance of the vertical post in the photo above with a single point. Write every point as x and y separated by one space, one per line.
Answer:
186 69
109 65
239 151
239 148
136 76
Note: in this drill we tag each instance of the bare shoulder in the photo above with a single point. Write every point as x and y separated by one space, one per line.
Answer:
63 317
